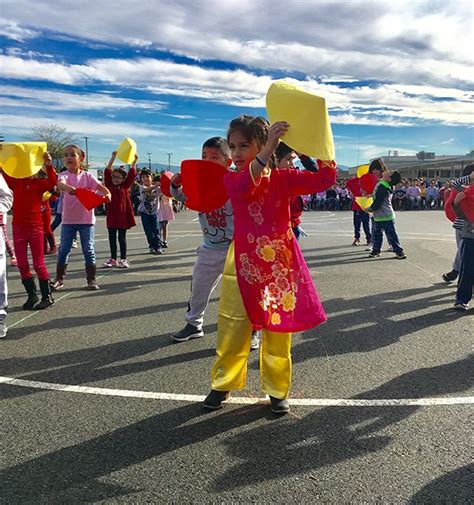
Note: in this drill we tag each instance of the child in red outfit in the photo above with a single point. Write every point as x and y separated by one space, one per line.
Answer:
49 239
120 215
27 226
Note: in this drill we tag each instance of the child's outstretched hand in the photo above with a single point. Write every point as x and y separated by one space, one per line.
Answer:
275 132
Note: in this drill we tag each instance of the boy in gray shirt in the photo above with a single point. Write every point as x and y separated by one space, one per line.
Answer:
218 230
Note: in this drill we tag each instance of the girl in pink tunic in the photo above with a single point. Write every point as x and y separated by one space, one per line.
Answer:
266 282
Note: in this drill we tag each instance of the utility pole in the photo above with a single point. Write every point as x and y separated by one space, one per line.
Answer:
87 152
149 161
169 160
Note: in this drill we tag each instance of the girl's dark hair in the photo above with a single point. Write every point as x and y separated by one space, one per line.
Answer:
468 170
376 165
253 128
395 178
282 150
145 172
121 171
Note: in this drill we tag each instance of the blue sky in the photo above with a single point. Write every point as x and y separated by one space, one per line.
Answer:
395 75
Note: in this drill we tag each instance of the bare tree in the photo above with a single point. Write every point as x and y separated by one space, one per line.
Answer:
55 136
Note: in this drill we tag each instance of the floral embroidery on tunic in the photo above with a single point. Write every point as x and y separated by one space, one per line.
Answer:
270 268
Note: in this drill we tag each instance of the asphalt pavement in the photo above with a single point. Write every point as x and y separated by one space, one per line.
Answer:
392 345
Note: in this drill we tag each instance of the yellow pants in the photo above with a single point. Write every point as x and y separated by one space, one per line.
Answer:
234 332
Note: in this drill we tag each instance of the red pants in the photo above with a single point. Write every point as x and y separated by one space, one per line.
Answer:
32 235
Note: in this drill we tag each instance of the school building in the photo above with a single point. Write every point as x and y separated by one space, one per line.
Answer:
425 164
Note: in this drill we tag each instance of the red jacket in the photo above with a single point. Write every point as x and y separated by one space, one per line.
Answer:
120 210
28 196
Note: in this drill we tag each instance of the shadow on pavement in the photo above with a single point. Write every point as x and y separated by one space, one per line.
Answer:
452 487
333 434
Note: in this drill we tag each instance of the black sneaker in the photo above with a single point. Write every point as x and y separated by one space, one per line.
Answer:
215 398
400 255
374 254
188 332
279 406
450 276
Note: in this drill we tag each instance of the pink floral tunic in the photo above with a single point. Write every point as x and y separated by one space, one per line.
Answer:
274 281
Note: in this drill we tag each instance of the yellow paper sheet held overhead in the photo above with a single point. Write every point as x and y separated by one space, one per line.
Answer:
364 201
127 150
22 159
310 129
362 170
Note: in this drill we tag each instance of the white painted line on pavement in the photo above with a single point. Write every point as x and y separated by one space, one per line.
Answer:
322 402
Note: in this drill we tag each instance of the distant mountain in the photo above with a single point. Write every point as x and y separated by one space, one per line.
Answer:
343 167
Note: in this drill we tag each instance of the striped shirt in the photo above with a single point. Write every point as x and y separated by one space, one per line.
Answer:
457 185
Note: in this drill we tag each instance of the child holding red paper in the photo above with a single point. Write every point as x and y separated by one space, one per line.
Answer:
266 282
75 217
217 228
49 238
120 216
27 227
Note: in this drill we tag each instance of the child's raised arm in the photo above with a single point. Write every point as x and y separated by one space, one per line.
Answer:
275 132
111 161
132 173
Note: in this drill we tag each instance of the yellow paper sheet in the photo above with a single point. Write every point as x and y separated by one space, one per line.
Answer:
127 150
310 129
46 196
364 201
22 159
362 170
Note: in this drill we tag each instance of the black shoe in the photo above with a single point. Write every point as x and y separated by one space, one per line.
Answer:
279 406
188 332
30 288
46 298
400 255
374 254
450 276
215 398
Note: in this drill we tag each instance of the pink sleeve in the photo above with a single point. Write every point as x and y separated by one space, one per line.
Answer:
303 183
92 182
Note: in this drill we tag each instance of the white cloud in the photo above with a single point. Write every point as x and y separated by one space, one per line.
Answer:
13 31
15 96
403 42
449 141
390 104
15 125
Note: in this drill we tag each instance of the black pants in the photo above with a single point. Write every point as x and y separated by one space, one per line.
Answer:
122 232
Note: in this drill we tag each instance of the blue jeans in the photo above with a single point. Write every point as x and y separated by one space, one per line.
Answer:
466 275
392 237
68 234
151 229
361 217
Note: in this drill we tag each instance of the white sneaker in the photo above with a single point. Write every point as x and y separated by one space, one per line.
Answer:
3 326
123 264
255 342
74 244
110 263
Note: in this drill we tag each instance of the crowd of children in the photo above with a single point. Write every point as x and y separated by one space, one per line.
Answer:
251 242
